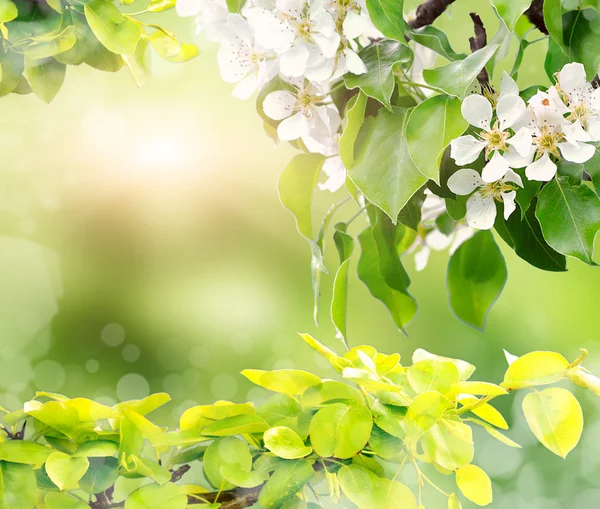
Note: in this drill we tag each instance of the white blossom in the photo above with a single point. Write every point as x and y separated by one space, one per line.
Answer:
481 206
496 139
334 169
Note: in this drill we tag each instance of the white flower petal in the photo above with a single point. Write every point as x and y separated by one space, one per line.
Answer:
336 173
574 132
353 62
577 152
543 169
466 149
234 63
293 62
477 110
464 181
187 8
522 141
279 104
593 127
269 31
510 109
292 128
509 203
508 86
421 258
354 25
516 160
495 169
511 176
327 44
595 99
437 241
481 211
245 88
292 8
463 233
572 79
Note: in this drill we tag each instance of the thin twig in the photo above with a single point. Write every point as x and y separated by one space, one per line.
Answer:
428 12
478 42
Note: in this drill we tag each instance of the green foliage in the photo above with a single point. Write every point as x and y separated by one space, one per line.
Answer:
349 437
40 39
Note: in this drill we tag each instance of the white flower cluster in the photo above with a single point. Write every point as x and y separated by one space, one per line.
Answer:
309 44
555 125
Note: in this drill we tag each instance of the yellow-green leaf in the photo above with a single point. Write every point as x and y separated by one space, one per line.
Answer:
288 381
449 444
453 502
478 389
474 484
8 11
535 368
285 443
433 375
425 411
555 417
64 470
237 425
495 433
171 49
202 415
116 32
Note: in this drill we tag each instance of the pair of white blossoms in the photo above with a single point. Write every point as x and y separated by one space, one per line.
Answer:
555 125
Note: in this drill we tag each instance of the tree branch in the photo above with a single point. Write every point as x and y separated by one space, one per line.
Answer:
428 12
535 14
478 42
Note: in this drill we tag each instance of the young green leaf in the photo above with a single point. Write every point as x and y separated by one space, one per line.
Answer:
60 500
64 470
431 127
237 425
8 11
555 417
476 277
116 32
101 475
225 451
345 247
287 480
510 10
535 368
340 430
19 486
475 484
433 38
285 443
19 451
45 76
288 381
449 444
353 121
569 216
154 496
425 411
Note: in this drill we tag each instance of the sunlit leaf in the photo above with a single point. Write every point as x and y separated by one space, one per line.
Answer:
474 484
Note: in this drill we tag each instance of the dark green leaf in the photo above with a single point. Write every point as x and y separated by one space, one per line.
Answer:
555 59
339 302
436 40
101 475
410 215
582 38
476 276
570 218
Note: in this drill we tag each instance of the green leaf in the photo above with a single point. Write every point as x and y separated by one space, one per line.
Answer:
60 500
154 496
582 38
278 407
330 391
570 218
453 502
384 170
353 121
8 11
380 59
535 368
144 467
386 446
476 277
287 480
97 449
368 491
339 302
19 451
235 6
425 411
101 475
116 32
340 430
243 478
449 444
64 470
435 39
237 425
285 443
160 5
529 243
19 487
222 452
296 185
288 381
555 417
45 76
388 17
511 10
12 66
44 49
555 59
410 215
170 49
553 19
380 269
456 77
431 127
433 375
494 432
139 63
474 484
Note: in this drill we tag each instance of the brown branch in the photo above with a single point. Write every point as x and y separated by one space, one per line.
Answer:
535 14
478 42
428 12
176 475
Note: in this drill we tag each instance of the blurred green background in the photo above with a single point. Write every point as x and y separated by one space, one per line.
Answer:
143 248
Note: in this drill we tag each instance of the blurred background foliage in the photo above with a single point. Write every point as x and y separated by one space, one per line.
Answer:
143 248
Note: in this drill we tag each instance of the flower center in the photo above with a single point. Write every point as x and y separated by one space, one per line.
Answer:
495 139
304 29
579 112
305 100
547 142
495 189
